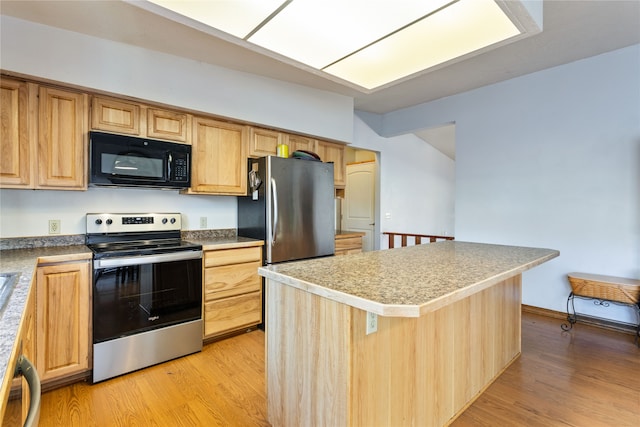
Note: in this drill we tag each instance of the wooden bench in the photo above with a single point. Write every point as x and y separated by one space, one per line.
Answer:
417 238
602 289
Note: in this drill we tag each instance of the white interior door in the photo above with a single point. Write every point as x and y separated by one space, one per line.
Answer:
358 212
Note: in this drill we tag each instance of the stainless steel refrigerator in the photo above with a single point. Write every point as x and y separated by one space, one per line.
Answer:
290 206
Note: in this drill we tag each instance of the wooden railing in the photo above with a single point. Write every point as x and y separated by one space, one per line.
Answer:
417 238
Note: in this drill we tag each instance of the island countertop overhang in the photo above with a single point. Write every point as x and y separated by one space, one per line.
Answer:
409 281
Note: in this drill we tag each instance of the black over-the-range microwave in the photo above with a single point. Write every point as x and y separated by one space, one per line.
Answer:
127 161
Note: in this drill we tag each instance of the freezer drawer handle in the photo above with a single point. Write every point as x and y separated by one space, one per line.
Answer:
274 192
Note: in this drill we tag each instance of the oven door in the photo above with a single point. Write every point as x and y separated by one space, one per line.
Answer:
141 293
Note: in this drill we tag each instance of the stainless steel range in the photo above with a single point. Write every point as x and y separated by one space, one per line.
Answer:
147 291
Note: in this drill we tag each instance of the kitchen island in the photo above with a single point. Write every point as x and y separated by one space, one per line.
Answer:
408 336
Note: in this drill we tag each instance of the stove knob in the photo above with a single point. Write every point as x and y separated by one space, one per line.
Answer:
109 221
98 221
164 220
173 220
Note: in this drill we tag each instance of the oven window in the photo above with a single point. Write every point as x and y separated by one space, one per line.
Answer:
138 298
131 164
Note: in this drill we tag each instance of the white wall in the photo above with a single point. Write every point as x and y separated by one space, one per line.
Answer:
63 56
416 183
551 159
27 212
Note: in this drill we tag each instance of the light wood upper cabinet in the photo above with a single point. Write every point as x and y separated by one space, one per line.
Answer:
219 158
263 142
297 142
17 138
331 152
131 118
113 115
62 139
171 125
44 137
63 300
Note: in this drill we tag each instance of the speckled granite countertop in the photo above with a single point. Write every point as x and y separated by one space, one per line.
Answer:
225 242
409 281
24 261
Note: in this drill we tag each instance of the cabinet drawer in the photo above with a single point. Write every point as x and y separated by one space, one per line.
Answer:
349 243
229 280
232 256
232 313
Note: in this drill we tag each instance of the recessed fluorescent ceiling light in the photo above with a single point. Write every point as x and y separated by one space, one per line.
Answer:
370 43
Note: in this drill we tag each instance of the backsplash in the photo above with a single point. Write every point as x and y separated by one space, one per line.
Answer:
78 239
41 241
223 233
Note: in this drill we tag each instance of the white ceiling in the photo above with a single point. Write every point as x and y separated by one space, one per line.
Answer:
572 30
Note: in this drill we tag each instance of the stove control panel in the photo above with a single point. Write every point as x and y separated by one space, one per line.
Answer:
123 222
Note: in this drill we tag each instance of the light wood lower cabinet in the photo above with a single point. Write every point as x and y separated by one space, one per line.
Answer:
348 244
232 298
63 328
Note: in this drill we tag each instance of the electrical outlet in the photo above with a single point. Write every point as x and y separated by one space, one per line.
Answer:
372 322
54 226
203 222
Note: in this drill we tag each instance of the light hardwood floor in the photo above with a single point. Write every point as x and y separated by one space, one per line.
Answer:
588 377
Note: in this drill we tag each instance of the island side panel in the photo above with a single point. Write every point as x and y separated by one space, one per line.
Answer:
426 371
307 358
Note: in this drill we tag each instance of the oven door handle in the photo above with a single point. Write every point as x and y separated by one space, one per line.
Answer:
26 368
146 259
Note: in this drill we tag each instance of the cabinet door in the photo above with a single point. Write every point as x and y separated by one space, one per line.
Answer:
219 164
164 124
63 298
114 115
263 142
296 142
16 165
330 152
62 139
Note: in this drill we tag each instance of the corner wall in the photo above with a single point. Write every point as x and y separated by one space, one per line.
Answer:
417 183
550 159
67 57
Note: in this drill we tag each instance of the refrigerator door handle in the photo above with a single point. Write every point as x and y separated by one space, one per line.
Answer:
274 193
